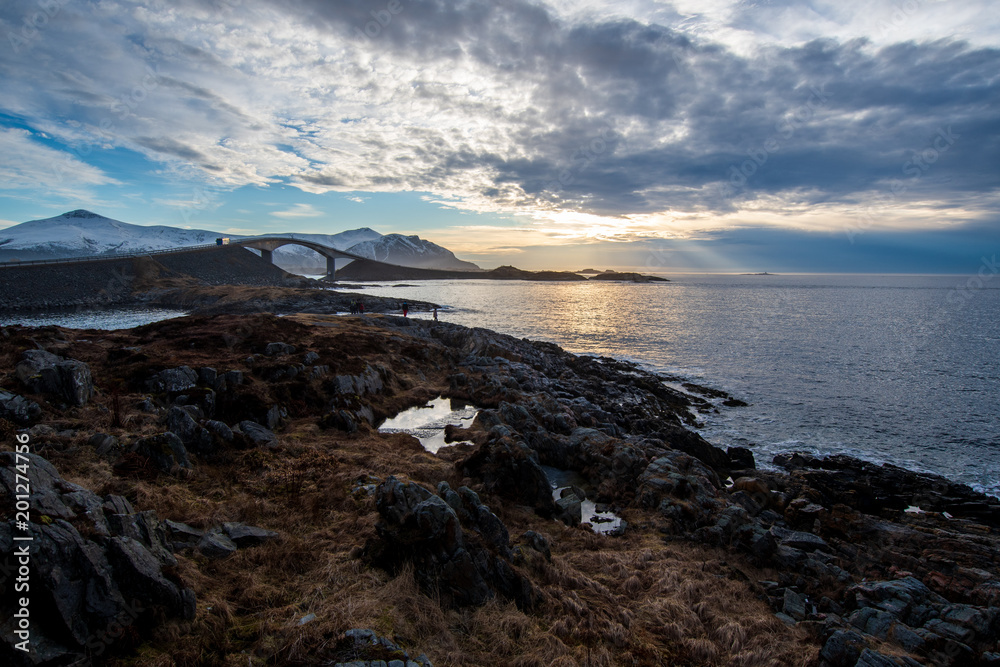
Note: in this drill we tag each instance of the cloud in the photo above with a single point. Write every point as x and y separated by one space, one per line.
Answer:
30 166
299 211
596 119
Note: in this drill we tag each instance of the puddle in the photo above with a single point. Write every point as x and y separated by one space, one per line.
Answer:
426 422
600 522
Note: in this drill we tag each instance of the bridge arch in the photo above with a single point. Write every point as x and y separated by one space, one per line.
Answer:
268 244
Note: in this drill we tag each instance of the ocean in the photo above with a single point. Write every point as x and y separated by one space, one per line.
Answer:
899 369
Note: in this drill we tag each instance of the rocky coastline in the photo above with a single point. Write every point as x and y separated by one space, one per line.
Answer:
227 470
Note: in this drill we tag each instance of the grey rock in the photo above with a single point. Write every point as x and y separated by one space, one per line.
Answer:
226 381
279 349
258 435
570 509
216 545
785 618
18 409
86 504
794 605
510 468
181 423
45 483
103 443
368 382
219 430
207 376
247 536
872 621
491 529
117 505
274 416
310 357
741 458
88 584
181 535
788 557
977 619
166 451
870 658
76 574
172 379
843 648
420 527
950 630
145 529
140 577
904 636
47 373
194 411
343 420
799 540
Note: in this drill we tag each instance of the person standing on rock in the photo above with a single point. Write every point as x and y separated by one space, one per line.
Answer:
435 314
406 308
361 307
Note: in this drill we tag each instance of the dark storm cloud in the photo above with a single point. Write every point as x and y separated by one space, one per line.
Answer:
696 124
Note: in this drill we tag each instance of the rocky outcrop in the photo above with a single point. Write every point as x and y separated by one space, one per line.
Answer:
181 423
165 451
458 548
885 489
172 380
96 565
220 541
256 435
46 373
509 468
18 409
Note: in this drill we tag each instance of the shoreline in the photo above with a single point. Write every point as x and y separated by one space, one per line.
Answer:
807 542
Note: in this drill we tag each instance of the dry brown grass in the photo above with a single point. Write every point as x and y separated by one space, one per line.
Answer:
634 600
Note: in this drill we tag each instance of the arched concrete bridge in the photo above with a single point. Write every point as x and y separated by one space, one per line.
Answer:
268 244
265 244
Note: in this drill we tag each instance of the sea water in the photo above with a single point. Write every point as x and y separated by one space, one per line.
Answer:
900 369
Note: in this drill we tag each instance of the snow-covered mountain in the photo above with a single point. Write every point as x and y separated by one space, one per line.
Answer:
82 233
410 251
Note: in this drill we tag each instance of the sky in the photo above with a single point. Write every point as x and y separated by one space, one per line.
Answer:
708 135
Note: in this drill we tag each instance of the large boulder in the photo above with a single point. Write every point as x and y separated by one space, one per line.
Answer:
195 437
510 468
172 380
166 451
46 373
462 565
368 382
257 435
682 488
96 566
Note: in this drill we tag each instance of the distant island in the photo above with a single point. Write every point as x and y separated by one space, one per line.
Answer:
370 270
629 277
762 273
